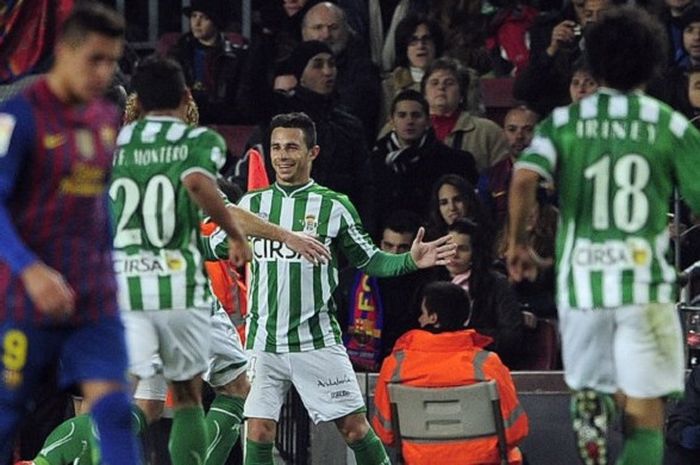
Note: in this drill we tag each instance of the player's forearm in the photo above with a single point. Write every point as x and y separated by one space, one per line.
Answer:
203 192
386 265
13 251
521 201
256 226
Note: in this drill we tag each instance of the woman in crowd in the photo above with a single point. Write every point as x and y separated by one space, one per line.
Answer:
495 310
453 197
418 43
444 85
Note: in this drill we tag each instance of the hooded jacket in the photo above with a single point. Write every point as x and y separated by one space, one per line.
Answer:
456 358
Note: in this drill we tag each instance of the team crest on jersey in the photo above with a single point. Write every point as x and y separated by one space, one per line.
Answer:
85 144
310 225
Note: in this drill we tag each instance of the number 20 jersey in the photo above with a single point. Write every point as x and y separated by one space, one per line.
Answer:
615 159
158 262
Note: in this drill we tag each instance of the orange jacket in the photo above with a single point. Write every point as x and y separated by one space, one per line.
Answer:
227 286
424 359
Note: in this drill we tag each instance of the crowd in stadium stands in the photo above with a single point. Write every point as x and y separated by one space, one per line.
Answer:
405 131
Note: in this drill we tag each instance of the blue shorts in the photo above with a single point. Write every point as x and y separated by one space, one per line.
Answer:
90 352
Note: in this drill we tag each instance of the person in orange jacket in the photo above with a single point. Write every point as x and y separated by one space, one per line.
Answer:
442 354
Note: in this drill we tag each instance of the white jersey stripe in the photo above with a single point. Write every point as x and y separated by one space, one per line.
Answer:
563 274
612 291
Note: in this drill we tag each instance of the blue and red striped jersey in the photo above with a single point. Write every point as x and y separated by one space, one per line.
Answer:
55 165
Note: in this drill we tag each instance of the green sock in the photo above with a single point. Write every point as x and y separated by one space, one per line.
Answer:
370 450
224 425
642 447
73 439
139 418
188 436
258 453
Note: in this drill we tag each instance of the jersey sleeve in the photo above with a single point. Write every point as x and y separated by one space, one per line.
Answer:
354 240
207 152
17 130
541 155
686 160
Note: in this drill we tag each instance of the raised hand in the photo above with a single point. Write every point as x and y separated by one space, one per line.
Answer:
437 252
309 248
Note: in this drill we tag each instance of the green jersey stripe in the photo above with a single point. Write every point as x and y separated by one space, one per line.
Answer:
158 260
615 158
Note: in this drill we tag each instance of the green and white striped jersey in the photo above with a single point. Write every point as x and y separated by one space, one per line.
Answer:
157 255
615 159
290 303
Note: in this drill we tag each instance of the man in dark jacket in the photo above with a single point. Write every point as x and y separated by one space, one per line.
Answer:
213 66
410 159
343 164
358 82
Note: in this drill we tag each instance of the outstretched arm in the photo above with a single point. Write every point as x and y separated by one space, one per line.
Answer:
437 252
307 246
202 190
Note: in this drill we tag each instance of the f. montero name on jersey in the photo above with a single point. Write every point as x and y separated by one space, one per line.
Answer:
147 156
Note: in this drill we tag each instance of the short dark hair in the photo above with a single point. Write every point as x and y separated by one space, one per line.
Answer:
449 302
403 222
626 48
410 94
454 67
404 33
89 17
159 83
297 120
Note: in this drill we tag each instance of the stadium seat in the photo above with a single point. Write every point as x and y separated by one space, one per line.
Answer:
448 414
497 96
541 347
236 136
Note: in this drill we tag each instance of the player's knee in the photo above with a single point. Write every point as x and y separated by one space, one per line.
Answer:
261 430
353 427
152 409
187 393
239 387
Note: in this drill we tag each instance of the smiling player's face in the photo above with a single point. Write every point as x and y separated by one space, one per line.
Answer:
291 157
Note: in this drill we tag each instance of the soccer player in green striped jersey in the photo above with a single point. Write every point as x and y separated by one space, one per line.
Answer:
615 158
164 173
293 333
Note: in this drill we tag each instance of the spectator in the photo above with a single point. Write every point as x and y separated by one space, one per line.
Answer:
452 197
444 354
407 161
374 312
343 164
495 308
418 42
213 66
683 425
519 125
358 83
444 85
673 86
543 85
671 15
582 83
464 28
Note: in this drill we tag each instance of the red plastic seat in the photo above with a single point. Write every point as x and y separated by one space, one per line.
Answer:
236 136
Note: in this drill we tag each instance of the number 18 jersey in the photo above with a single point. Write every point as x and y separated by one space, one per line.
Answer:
615 159
157 258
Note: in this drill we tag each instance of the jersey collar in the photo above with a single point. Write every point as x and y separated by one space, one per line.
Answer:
291 191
